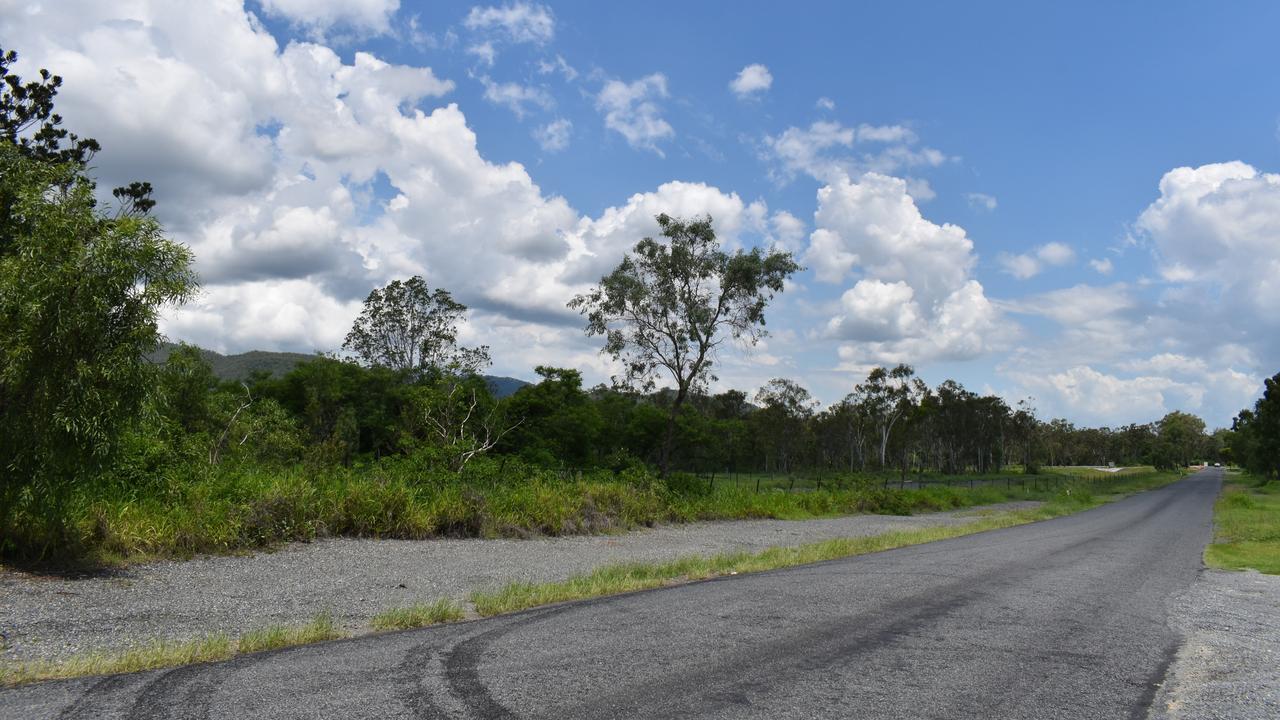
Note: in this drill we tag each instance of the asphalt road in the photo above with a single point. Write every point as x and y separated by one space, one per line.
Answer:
1060 619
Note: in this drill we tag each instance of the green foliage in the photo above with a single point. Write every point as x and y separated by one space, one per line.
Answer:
79 297
667 307
1255 441
409 328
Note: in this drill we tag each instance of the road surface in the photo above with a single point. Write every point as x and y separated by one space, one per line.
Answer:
1060 619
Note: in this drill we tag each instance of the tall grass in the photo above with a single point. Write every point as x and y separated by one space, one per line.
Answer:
236 508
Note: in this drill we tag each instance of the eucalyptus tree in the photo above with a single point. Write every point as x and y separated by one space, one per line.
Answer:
886 396
669 306
784 417
408 327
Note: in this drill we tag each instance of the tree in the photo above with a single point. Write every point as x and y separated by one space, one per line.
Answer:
888 395
668 307
408 327
80 293
1256 438
1181 439
787 409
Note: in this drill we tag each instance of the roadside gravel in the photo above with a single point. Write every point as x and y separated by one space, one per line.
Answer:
48 617
1229 662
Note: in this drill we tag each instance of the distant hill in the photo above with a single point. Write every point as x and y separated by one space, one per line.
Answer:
503 386
242 365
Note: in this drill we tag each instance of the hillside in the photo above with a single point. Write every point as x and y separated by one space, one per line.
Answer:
242 365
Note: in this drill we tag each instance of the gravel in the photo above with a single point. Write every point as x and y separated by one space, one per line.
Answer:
1229 662
51 617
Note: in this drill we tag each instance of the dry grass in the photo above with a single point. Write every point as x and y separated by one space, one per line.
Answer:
163 654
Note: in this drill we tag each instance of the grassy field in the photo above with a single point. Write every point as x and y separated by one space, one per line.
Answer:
1247 520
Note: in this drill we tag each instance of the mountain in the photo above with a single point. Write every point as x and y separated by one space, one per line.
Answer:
242 365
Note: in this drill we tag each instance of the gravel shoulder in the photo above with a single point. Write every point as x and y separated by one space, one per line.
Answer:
1229 662
49 617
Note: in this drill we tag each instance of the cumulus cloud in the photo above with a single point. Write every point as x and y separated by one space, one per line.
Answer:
267 159
632 111
320 16
520 22
1220 224
914 299
825 103
1102 266
751 81
1028 265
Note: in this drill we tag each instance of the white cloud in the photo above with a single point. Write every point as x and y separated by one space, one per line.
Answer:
1220 224
520 22
1027 266
516 97
787 231
825 103
558 65
320 16
1149 390
751 81
485 52
554 136
1102 265
632 110
1079 305
828 151
981 201
914 300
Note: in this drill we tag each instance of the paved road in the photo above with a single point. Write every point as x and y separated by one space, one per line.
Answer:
1061 619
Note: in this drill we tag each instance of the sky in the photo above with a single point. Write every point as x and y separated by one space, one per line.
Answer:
1076 203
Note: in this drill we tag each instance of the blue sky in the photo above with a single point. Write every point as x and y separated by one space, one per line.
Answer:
1072 202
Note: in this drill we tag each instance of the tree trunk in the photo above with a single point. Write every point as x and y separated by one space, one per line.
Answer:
668 444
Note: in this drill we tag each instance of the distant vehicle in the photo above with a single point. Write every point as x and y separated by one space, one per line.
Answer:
1217 464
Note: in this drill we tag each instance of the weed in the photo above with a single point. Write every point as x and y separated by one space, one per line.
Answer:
415 616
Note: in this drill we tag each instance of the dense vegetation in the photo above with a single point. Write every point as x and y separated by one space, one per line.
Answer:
107 455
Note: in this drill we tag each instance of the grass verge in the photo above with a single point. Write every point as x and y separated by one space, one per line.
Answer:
416 616
1247 518
163 654
629 577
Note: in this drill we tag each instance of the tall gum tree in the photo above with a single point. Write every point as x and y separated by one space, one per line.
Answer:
668 306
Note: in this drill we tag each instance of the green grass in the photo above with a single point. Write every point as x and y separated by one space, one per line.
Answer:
416 616
237 509
163 654
1247 520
